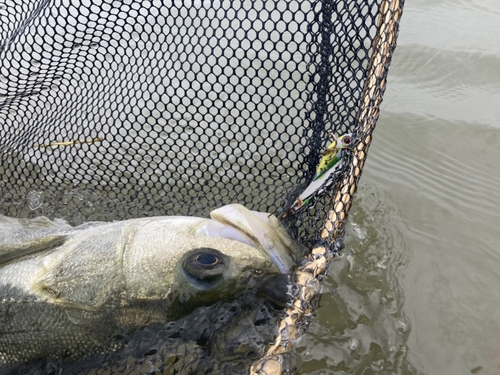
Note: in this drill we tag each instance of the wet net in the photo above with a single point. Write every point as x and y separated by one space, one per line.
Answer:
126 109
112 110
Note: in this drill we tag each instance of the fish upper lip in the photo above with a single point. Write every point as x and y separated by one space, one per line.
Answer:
252 229
215 228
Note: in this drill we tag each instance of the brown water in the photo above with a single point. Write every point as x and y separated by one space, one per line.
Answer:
427 212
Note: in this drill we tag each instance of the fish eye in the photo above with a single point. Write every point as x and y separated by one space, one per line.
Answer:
205 266
206 259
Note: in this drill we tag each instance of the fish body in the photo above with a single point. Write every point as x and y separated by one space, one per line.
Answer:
67 291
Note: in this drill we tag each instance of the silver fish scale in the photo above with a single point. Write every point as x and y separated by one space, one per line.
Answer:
223 338
15 346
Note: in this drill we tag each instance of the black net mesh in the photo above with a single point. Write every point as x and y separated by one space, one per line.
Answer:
112 110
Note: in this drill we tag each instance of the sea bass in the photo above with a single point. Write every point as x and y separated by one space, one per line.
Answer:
70 291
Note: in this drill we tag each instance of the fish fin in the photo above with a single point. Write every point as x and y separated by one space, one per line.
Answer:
12 251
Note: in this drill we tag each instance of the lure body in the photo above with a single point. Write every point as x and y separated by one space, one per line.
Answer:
330 162
332 155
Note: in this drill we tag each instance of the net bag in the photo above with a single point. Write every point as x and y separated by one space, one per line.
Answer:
112 110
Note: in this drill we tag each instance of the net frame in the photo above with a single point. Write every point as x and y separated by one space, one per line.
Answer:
307 279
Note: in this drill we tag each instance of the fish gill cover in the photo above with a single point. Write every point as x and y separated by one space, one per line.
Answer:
111 110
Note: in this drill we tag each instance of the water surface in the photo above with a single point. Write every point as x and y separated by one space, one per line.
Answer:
434 167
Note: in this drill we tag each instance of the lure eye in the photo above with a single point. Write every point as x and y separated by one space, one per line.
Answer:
205 265
346 140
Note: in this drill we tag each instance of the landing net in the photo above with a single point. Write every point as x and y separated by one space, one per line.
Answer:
112 110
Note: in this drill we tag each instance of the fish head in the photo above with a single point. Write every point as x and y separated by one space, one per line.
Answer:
207 259
100 279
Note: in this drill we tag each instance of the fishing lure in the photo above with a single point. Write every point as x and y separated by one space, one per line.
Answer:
331 161
68 143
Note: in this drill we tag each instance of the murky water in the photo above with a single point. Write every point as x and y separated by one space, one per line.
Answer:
428 208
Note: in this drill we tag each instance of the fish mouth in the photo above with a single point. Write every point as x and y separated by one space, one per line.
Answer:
256 229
